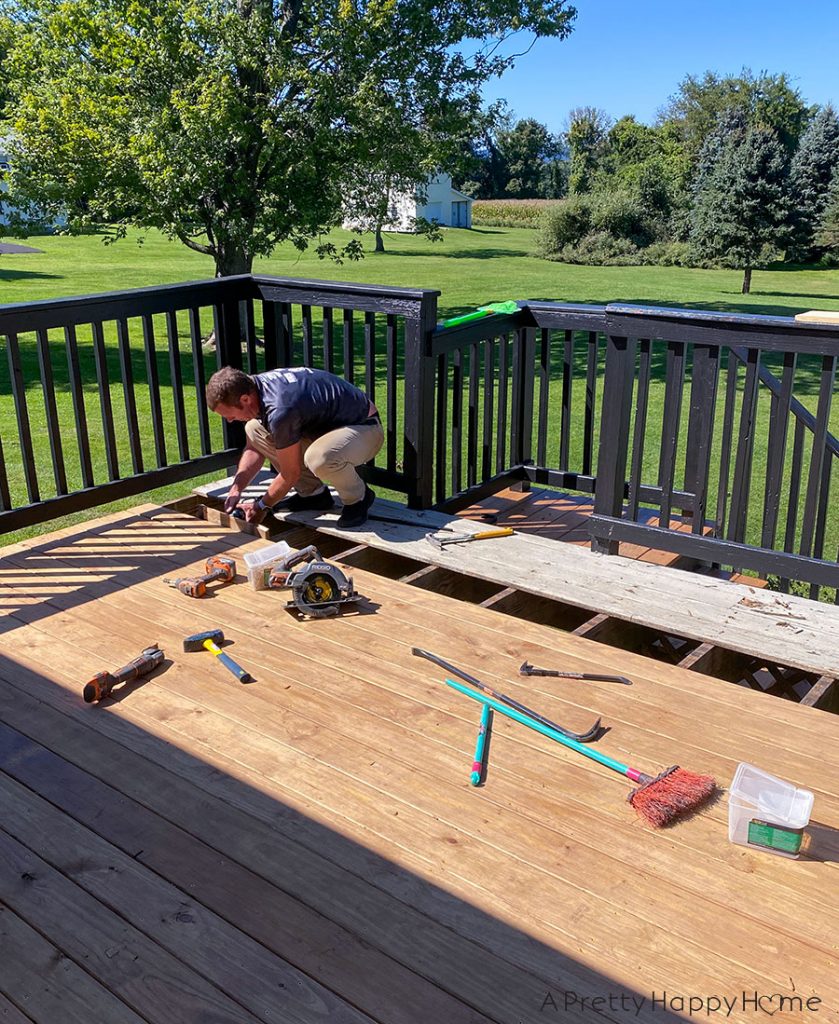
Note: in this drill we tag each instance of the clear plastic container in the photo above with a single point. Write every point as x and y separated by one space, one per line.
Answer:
260 563
767 813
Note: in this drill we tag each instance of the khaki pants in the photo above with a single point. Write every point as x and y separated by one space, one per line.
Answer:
329 459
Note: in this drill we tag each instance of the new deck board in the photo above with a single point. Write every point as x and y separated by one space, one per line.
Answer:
349 752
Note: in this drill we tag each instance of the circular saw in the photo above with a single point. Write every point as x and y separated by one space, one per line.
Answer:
318 588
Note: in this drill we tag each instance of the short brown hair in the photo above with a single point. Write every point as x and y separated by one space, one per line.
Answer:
227 385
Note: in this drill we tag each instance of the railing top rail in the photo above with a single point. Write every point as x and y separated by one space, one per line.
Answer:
79 309
568 315
347 287
751 330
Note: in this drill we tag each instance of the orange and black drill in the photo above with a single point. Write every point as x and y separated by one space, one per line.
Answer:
103 682
218 568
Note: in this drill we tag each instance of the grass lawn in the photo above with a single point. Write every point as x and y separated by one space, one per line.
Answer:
469 268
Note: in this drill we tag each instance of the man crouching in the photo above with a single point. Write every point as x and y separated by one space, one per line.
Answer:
312 426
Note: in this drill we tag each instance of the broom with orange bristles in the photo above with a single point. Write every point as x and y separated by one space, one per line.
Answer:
659 799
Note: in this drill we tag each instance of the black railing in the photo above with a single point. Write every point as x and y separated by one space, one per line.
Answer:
108 390
688 428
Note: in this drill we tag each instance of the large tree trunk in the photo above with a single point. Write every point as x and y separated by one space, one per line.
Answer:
747 280
380 245
230 262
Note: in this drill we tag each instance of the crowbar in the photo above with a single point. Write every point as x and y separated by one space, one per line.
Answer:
584 737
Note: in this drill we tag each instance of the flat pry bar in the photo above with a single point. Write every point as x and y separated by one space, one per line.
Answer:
530 670
583 737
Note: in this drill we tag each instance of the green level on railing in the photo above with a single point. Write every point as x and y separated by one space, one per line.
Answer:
482 311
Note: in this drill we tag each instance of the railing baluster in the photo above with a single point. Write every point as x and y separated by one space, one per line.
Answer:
639 434
5 493
286 347
328 340
794 494
22 413
127 374
703 405
53 424
565 418
489 388
442 446
745 450
198 372
732 373
390 349
457 420
370 355
153 378
308 339
821 517
250 337
817 456
503 378
79 412
544 373
177 382
591 404
349 346
271 332
777 450
105 400
670 426
472 429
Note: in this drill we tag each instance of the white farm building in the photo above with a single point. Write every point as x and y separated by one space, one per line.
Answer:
443 204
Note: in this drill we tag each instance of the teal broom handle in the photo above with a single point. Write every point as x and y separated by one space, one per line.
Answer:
502 709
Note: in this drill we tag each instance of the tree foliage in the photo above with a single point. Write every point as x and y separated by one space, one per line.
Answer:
768 100
813 168
740 196
827 234
233 125
587 131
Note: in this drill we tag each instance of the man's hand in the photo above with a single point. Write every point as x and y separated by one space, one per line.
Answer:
254 513
232 499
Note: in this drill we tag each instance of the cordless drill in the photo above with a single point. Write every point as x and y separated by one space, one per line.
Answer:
218 567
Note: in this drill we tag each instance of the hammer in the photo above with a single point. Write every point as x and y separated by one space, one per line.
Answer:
210 641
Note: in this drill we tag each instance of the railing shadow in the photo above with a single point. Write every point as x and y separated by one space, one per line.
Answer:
247 903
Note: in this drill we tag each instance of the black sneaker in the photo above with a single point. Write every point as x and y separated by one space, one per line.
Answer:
319 502
356 514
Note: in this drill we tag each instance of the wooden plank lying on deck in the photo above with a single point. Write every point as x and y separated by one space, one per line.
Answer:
421 745
783 628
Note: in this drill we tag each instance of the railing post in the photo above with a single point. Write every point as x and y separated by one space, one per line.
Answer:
703 404
418 457
614 434
228 329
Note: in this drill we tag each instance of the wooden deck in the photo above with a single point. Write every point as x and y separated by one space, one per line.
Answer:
308 848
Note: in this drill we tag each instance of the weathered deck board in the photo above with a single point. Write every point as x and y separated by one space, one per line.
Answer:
783 628
339 777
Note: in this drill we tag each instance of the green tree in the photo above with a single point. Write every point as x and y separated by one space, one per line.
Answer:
813 168
586 137
528 150
233 125
6 36
827 235
740 196
767 99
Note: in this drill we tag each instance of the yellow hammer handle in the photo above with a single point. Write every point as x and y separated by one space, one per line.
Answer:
504 531
212 648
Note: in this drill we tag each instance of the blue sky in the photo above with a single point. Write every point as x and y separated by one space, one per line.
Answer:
628 57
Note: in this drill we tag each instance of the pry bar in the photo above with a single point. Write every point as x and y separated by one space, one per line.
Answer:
530 670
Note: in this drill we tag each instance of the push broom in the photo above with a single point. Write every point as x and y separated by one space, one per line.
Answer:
659 799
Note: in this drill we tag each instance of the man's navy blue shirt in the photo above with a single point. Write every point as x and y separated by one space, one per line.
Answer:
299 402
